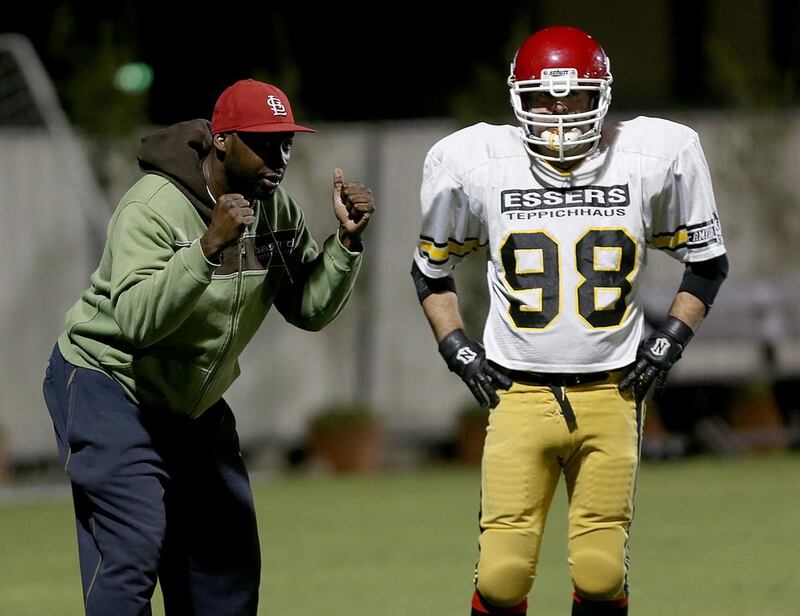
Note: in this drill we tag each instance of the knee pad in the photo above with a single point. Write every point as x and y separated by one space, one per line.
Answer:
507 566
597 565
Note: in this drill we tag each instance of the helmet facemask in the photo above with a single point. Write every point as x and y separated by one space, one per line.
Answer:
560 133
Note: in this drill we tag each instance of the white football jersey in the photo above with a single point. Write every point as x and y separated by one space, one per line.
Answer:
566 250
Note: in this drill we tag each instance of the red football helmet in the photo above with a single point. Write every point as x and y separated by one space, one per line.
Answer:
557 61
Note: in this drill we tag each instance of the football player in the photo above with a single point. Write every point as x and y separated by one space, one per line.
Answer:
567 206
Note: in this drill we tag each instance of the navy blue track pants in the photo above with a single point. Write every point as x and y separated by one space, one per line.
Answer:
157 496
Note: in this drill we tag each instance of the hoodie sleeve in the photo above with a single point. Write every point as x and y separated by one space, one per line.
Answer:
154 288
321 284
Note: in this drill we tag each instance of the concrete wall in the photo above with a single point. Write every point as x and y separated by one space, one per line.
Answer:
48 254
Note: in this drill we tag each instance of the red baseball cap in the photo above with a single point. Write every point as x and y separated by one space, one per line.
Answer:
251 106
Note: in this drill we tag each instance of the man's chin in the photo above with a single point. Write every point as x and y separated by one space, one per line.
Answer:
262 192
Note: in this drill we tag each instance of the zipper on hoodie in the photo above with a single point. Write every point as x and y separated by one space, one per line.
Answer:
234 315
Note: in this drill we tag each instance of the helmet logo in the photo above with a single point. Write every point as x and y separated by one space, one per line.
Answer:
559 73
559 80
277 106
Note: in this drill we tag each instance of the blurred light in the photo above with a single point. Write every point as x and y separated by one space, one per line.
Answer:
133 77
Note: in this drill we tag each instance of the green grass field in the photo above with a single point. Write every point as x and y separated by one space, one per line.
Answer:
711 537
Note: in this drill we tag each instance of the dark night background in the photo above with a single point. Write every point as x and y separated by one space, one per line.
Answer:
339 64
392 61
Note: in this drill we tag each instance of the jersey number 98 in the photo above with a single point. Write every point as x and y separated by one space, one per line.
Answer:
605 260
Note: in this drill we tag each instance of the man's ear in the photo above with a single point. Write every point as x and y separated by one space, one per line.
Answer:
220 141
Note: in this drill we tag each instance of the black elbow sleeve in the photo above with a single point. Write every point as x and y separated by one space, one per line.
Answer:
704 278
428 286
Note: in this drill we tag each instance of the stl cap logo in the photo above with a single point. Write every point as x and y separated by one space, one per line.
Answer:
277 106
660 347
466 355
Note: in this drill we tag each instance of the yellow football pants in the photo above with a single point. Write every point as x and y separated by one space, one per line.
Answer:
528 445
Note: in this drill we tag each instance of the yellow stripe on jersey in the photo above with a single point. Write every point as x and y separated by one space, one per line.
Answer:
670 241
440 254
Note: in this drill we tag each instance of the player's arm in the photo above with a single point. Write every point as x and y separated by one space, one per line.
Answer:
449 231
684 222
659 352
439 302
464 356
688 310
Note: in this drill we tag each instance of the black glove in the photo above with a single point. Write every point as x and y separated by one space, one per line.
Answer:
655 357
467 359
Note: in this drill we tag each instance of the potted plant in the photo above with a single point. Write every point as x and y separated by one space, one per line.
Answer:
347 438
756 419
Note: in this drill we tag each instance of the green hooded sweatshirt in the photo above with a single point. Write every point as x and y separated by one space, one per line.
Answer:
162 320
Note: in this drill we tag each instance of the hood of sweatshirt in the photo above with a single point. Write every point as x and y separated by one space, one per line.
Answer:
176 153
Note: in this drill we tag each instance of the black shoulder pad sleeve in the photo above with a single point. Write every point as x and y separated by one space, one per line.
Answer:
427 286
704 278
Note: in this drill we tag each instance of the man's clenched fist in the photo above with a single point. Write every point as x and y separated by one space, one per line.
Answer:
230 217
